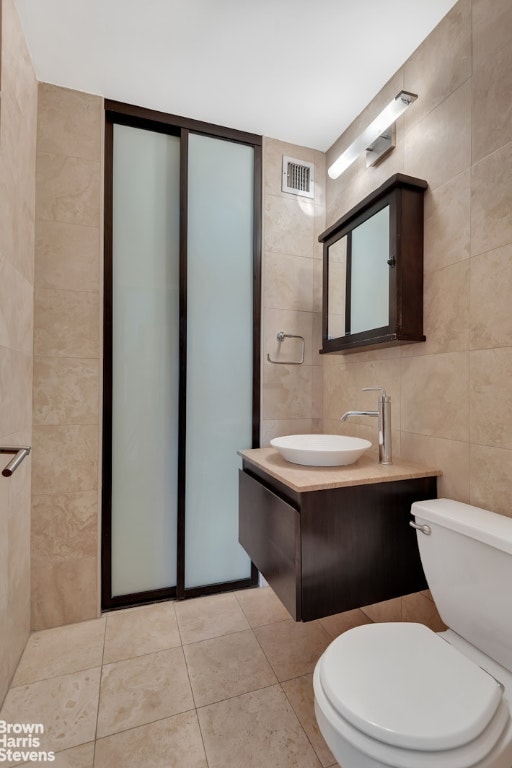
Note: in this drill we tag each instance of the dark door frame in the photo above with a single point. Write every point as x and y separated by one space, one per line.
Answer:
139 117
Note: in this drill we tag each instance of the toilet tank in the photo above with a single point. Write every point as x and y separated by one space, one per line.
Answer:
467 559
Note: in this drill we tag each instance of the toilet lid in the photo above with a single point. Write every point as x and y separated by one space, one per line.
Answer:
404 685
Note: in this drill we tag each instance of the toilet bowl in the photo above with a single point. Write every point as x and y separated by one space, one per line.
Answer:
402 696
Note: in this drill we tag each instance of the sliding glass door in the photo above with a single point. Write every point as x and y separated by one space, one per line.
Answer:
219 354
181 366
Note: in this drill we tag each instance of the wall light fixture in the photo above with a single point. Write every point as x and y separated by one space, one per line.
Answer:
377 139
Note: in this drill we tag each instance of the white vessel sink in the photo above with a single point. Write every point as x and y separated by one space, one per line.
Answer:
320 450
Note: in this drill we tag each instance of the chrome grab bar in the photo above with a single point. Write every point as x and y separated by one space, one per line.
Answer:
426 529
20 453
280 337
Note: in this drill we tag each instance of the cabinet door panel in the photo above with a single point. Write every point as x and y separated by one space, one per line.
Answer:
269 533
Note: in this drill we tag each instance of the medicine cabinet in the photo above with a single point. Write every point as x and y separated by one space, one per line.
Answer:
373 270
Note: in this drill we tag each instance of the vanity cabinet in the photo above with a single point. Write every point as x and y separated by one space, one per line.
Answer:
373 270
335 549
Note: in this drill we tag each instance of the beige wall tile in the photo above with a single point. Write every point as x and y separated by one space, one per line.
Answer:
66 390
491 201
449 455
288 282
65 526
435 395
446 311
491 470
447 223
441 64
4 589
287 391
271 428
15 391
291 395
68 190
65 459
492 105
66 323
490 292
439 147
16 309
17 213
18 616
492 22
292 229
67 341
491 397
64 592
69 122
67 256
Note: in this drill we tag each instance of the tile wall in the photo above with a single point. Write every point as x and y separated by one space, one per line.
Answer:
451 396
66 457
17 203
291 295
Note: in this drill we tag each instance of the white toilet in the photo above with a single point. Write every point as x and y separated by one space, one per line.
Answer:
403 696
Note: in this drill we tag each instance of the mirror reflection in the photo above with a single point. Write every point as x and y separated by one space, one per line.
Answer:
369 273
337 288
358 281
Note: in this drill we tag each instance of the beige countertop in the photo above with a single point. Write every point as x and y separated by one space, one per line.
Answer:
365 471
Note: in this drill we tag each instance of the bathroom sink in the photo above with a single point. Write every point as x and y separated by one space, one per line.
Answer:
320 450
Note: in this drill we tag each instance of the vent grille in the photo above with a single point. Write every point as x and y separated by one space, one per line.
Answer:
298 177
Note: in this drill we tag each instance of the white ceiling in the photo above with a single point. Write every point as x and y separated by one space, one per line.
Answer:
295 70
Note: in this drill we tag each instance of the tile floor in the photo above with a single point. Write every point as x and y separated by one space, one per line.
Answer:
215 682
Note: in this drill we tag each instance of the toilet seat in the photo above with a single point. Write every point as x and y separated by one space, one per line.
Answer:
399 690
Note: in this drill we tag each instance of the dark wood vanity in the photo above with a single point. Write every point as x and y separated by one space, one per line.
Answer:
330 539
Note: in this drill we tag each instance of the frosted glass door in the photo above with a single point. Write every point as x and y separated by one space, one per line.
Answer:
219 355
145 359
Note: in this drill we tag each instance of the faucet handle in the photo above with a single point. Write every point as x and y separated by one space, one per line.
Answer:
376 389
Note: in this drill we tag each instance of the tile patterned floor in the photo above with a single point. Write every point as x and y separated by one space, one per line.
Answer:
216 682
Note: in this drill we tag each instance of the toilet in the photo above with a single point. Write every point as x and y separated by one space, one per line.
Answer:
399 695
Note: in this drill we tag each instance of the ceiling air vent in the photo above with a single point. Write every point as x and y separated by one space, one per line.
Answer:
298 177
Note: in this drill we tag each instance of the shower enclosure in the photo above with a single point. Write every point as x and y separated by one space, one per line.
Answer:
181 353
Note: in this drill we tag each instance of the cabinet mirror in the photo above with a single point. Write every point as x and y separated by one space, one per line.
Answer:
373 270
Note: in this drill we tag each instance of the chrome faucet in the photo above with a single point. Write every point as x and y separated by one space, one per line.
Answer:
383 414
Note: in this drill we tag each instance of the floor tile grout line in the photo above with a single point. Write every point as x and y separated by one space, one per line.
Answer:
143 725
142 655
189 678
238 695
99 691
299 720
